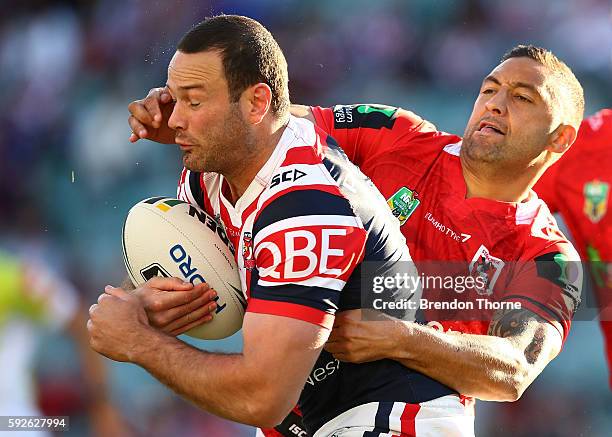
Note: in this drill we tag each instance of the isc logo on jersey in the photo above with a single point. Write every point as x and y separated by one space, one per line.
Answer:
322 254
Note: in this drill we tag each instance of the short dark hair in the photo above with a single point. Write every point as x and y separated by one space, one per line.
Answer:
249 54
568 90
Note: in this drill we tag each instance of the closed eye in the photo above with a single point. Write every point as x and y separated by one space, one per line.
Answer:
194 104
523 98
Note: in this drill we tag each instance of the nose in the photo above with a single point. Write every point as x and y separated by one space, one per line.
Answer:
497 103
176 120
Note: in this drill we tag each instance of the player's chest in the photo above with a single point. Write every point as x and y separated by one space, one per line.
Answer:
439 224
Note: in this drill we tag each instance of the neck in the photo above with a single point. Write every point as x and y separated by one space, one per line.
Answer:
487 182
243 173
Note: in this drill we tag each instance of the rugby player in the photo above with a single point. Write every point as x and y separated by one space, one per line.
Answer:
299 240
463 200
578 187
34 299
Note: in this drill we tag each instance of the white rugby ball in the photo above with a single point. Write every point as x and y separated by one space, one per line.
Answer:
163 236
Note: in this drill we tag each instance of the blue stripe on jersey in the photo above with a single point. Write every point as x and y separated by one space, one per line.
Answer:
196 188
323 299
301 202
381 421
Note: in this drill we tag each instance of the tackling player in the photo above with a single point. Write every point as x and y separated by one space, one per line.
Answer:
303 220
578 187
468 201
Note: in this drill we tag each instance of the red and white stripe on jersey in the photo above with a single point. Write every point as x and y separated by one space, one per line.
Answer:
445 416
315 250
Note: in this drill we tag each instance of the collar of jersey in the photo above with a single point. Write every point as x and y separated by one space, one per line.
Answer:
264 175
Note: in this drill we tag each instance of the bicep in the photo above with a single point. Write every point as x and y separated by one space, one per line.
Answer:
283 350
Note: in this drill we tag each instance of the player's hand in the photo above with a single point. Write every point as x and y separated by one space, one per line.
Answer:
174 306
117 324
149 117
357 341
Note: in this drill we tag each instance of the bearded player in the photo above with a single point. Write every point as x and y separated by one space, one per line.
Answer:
469 201
578 187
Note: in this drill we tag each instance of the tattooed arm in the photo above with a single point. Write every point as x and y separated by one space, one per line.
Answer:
495 367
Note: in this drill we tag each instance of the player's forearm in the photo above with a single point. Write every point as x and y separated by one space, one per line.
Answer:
482 366
222 384
302 112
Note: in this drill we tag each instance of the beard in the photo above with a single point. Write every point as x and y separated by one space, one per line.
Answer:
482 149
222 148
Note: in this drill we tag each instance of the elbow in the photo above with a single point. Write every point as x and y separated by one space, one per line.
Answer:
268 416
515 384
270 411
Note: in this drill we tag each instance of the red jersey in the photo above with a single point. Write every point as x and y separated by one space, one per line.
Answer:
516 247
578 187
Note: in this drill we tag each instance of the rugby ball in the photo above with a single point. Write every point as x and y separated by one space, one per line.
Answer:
168 237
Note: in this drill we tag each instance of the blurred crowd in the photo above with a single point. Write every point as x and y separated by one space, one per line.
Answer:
68 175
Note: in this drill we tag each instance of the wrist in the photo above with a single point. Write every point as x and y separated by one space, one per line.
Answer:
403 335
146 342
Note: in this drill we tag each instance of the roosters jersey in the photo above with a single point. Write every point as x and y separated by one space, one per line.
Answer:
515 249
578 187
301 233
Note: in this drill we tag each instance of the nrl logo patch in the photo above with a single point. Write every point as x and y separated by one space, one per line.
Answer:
596 200
487 267
403 203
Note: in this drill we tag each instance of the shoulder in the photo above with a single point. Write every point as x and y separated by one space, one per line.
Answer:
540 232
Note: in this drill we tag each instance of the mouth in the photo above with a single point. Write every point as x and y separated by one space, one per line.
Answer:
184 146
488 127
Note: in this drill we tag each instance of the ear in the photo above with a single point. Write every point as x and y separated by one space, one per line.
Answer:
562 138
256 102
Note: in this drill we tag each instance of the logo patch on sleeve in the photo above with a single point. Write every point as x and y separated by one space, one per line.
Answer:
403 203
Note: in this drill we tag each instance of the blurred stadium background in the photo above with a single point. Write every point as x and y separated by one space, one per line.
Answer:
68 175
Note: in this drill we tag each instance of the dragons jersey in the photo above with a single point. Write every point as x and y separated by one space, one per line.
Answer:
578 187
514 250
301 232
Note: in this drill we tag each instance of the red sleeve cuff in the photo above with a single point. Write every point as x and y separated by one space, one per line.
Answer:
292 310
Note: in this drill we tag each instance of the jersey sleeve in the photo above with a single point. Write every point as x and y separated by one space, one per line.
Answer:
306 244
366 131
549 284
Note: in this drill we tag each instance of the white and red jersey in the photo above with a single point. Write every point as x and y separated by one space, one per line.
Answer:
302 231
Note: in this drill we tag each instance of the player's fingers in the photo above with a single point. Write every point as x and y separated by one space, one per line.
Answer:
169 284
186 328
138 129
117 292
188 319
102 297
334 348
165 96
133 138
141 112
151 104
161 318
